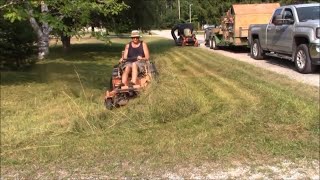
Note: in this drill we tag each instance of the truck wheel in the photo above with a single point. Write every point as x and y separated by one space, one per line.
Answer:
255 50
213 44
302 59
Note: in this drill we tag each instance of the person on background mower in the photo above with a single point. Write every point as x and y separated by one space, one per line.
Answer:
136 54
181 28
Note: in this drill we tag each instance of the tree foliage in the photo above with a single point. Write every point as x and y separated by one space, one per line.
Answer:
67 18
17 41
146 14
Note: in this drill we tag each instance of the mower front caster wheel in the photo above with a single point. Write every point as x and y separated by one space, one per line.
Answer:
109 104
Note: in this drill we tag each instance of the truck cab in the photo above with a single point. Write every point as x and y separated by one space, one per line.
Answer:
293 33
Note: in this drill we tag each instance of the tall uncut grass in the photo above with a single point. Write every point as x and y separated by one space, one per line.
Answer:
202 107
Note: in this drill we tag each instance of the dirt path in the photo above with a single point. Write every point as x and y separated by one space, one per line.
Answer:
283 67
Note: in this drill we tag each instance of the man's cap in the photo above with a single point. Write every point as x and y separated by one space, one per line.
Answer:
135 33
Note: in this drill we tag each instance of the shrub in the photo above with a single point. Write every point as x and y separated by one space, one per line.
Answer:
17 43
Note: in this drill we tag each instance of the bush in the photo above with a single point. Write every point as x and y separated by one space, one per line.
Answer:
17 43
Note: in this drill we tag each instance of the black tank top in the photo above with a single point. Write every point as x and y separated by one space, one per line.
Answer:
135 52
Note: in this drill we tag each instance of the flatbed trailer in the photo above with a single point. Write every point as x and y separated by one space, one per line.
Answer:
233 30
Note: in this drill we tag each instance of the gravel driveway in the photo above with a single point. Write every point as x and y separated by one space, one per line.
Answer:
280 66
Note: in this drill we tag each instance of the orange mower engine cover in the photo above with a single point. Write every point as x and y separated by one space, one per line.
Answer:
186 35
187 41
119 93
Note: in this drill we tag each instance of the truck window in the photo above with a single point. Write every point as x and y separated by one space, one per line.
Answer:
308 13
288 14
278 12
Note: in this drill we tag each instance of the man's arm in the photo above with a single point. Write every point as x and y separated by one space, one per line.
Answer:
126 49
172 32
146 51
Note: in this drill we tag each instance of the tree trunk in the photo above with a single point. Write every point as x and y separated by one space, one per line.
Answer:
65 42
42 32
44 41
92 31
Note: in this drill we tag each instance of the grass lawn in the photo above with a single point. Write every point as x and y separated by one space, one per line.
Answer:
204 107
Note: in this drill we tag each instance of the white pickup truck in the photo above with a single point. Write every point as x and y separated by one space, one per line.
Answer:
293 33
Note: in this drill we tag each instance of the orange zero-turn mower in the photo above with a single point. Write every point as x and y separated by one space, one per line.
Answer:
187 41
186 35
119 93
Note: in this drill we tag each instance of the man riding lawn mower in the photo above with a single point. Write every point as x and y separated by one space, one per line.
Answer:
120 93
133 73
186 35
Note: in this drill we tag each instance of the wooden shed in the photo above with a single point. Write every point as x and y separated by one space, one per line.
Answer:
246 14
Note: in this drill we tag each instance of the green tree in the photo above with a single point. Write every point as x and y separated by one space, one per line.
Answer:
65 18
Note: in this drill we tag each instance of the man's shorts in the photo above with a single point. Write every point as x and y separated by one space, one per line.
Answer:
141 65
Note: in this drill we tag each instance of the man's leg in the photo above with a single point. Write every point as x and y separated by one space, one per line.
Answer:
125 75
134 72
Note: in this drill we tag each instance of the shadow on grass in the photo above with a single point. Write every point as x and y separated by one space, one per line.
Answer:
96 51
92 75
93 62
86 52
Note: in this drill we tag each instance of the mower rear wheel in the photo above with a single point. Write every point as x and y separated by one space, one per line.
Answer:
108 103
110 83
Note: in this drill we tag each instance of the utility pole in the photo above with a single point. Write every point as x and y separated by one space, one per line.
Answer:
179 8
190 12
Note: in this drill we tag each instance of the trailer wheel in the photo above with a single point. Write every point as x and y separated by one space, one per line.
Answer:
302 59
255 50
206 38
213 44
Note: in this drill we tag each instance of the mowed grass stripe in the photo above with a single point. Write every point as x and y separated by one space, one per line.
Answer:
282 100
204 83
228 84
271 91
198 79
280 105
236 111
245 73
218 119
240 123
182 84
226 68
